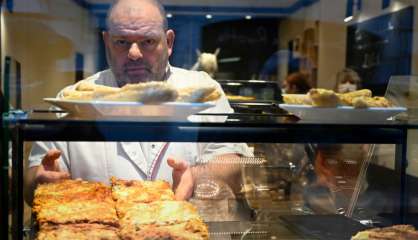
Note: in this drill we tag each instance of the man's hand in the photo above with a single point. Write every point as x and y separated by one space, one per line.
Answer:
49 170
182 178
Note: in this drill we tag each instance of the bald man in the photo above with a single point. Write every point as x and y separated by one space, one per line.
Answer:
138 45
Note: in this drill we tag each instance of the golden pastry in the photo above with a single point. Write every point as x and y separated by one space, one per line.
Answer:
297 99
323 97
347 98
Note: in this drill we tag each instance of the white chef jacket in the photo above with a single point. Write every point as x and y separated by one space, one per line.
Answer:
98 161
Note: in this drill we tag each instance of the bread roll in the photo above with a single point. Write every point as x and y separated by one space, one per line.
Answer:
365 102
347 98
323 98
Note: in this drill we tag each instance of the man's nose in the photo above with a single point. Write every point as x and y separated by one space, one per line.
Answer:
134 52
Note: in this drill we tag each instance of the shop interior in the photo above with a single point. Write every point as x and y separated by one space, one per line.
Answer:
265 41
251 47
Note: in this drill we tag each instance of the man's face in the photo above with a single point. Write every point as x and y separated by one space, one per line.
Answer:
137 49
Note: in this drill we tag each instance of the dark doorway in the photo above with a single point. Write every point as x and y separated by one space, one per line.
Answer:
246 46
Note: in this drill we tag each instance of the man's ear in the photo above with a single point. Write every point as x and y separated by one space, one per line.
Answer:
106 37
170 41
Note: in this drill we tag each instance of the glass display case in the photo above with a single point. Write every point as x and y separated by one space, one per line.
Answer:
122 90
303 177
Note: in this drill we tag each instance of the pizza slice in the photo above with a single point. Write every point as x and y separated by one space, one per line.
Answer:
69 190
158 213
74 201
141 191
191 230
79 232
401 232
83 211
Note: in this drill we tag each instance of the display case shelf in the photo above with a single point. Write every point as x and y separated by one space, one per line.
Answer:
272 129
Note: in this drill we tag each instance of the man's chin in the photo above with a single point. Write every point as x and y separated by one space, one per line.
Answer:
139 78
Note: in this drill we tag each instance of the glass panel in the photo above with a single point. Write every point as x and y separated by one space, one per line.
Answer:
250 57
265 191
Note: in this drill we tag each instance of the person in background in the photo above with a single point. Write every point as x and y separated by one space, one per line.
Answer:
138 45
297 83
347 81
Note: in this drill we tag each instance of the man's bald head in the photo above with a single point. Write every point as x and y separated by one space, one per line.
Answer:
131 8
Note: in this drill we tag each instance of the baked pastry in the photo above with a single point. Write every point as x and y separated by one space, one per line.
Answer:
151 92
396 232
327 98
79 232
323 97
240 98
69 94
365 102
148 92
129 209
159 212
69 188
74 201
169 219
191 230
141 191
82 211
347 98
131 192
198 93
88 91
297 99
101 89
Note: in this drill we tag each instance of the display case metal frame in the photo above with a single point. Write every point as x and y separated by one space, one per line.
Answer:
24 127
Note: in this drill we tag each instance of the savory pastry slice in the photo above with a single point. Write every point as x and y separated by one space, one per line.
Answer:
153 92
347 98
396 232
297 99
197 93
190 230
141 191
69 94
88 91
77 211
323 97
157 213
79 232
149 95
89 86
69 190
365 102
74 201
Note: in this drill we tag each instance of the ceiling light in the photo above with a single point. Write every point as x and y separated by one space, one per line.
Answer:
248 17
208 16
169 15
